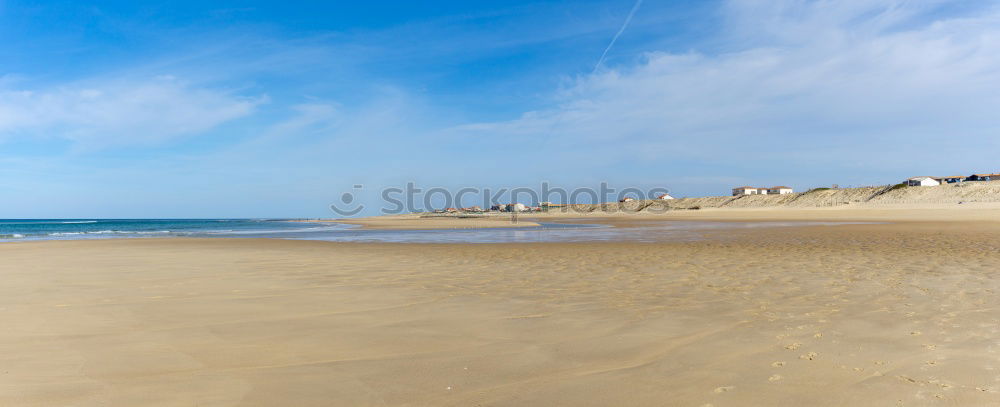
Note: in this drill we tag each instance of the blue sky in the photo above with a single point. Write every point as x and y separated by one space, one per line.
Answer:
273 109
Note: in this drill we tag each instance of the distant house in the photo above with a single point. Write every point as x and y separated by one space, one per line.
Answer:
626 199
922 182
780 190
515 207
950 180
665 196
983 177
745 191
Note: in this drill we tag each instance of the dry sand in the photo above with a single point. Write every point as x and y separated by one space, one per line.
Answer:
903 314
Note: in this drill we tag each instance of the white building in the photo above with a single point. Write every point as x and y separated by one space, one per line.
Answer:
922 182
626 199
665 196
745 191
779 190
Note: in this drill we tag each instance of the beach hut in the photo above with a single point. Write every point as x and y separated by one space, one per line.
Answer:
779 190
922 182
745 191
950 180
665 196
762 191
983 177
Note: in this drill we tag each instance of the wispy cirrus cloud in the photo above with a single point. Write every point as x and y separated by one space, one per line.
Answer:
119 112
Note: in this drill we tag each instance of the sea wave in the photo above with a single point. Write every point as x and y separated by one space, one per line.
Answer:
12 236
35 222
109 232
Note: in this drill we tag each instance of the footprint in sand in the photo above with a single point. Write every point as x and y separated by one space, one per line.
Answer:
793 346
809 356
778 364
774 378
916 333
719 390
930 347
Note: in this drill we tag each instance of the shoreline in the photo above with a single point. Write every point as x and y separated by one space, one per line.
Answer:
965 214
971 212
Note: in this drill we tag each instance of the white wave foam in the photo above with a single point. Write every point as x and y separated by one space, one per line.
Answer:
110 232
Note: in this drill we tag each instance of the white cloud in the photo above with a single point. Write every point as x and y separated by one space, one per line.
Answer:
817 82
119 112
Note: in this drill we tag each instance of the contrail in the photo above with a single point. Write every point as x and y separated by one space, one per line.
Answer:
620 30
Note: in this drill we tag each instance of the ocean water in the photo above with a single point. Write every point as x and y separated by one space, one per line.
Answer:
73 229
76 229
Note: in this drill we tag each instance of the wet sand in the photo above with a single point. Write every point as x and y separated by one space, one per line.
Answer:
418 222
902 314
620 214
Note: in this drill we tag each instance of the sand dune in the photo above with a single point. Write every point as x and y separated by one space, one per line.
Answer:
862 315
863 197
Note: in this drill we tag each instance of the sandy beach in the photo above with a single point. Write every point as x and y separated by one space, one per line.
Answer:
612 215
898 314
